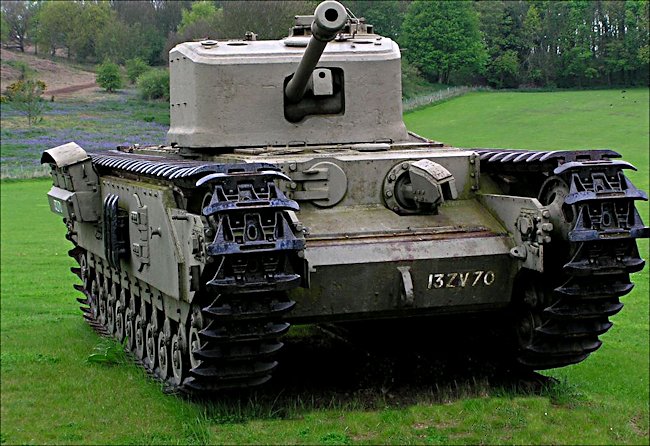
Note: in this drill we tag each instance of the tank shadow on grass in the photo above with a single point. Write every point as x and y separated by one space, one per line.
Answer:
379 364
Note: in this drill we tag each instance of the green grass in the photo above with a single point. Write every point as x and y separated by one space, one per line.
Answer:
152 111
52 393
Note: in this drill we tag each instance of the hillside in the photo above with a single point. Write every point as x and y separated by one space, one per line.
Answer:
61 78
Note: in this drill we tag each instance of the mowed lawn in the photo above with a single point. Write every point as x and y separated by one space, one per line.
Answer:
51 394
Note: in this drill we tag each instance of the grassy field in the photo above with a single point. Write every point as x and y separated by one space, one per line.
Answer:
52 394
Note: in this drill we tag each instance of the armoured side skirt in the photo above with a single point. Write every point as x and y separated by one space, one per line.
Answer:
405 276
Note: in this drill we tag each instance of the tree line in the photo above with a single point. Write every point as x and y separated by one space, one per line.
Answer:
503 44
118 30
545 43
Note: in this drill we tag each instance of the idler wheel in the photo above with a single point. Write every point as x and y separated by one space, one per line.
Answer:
552 195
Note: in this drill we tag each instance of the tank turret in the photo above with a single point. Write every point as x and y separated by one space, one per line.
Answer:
331 81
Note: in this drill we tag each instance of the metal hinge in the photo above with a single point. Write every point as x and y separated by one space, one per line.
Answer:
140 248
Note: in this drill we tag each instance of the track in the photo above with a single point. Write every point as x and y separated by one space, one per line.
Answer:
231 336
561 313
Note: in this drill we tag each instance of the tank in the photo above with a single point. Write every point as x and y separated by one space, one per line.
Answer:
291 192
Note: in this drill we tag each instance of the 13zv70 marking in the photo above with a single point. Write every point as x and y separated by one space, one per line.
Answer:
461 280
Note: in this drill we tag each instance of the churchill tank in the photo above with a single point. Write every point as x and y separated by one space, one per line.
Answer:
291 192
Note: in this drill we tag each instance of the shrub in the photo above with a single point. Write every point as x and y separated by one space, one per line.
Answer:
108 76
25 96
135 68
413 84
154 84
25 70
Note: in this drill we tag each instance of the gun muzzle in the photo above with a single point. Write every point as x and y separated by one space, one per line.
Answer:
329 19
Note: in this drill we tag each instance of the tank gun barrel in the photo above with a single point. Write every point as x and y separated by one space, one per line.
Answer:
329 18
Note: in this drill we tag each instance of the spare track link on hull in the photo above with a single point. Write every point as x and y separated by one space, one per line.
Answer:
232 335
586 271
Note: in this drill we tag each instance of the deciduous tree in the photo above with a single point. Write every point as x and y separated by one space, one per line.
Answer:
269 19
4 28
200 11
25 96
443 37
386 16
55 25
134 68
16 18
92 18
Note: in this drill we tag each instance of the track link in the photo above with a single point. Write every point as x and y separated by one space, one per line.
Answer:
593 251
231 335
